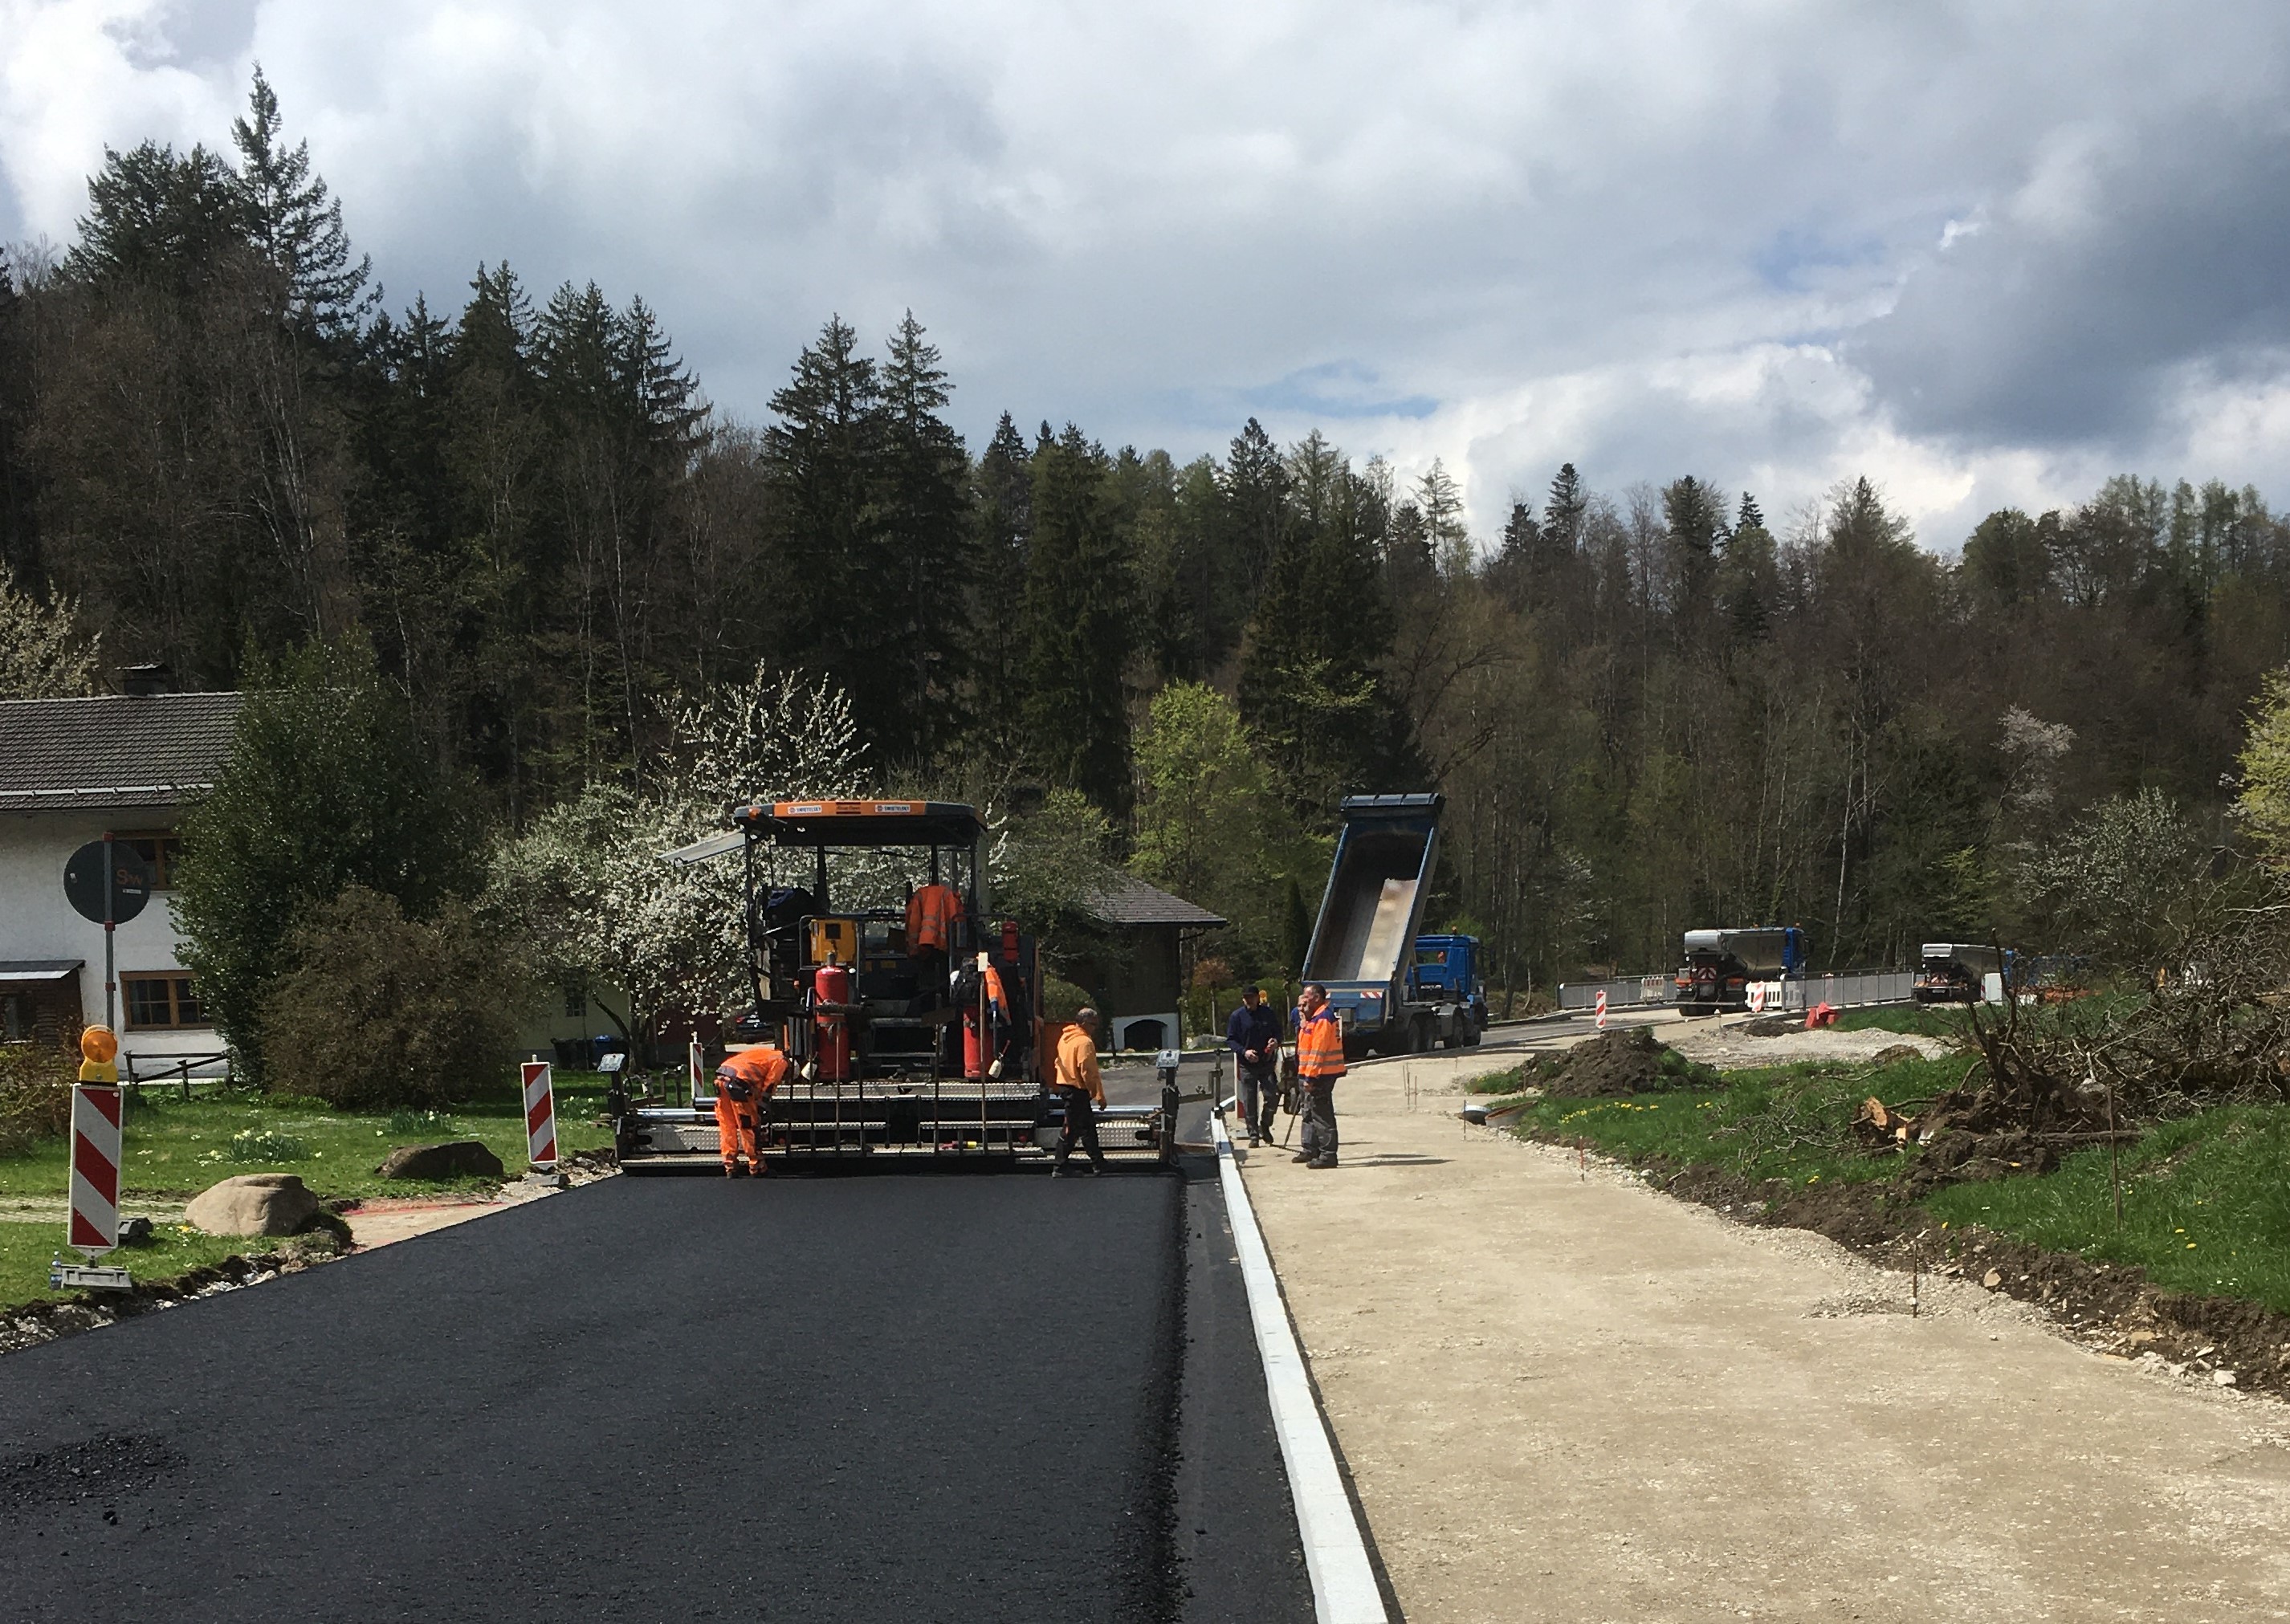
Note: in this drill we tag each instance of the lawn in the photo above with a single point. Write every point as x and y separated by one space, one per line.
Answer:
26 1249
1778 1122
1924 1019
2204 1205
173 1149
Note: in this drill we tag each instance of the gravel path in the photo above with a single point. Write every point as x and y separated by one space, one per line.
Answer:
1564 1396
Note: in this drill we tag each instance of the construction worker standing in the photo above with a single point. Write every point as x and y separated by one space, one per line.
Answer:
1320 1063
1253 1036
1080 1086
744 1082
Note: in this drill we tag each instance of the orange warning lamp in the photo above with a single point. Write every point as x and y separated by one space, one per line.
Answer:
98 1050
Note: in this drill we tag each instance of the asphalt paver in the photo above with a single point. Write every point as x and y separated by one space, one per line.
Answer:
901 1396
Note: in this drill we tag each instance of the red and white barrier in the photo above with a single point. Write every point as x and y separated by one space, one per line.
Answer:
1757 997
94 1168
1602 1012
540 1115
695 1065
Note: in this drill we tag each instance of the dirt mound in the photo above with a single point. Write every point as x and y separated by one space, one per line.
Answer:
1617 1065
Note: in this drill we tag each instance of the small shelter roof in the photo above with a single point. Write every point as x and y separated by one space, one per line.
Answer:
1126 900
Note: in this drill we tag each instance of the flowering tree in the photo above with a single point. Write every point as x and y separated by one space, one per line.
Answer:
588 885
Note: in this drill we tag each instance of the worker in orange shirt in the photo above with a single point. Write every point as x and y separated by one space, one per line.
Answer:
1320 1063
744 1083
1080 1086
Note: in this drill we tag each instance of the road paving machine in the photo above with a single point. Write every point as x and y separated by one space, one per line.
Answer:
898 1048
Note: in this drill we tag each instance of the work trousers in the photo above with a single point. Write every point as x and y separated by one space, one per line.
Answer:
1258 1088
1320 1116
1081 1127
735 1129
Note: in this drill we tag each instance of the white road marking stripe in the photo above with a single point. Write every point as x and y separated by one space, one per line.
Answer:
1343 1584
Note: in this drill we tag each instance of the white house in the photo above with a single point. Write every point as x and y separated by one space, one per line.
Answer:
71 770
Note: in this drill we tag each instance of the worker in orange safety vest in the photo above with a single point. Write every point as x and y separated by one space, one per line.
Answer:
1080 1086
1320 1063
744 1082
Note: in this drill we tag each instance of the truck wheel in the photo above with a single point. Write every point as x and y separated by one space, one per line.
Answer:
1419 1036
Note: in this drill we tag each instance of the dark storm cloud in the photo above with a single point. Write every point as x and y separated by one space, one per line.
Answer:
2068 316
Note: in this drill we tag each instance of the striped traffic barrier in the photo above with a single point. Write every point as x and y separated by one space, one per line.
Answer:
540 1115
1602 1012
94 1168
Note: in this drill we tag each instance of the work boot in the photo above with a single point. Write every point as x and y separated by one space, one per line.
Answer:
1058 1170
1254 1139
1097 1170
731 1170
756 1168
1305 1155
1319 1162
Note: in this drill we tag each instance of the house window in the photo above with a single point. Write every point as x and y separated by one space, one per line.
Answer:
15 1017
163 1003
576 1003
159 849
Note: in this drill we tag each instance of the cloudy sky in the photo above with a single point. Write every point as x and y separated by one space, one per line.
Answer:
1987 252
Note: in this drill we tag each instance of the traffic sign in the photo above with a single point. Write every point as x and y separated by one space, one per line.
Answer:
540 1116
1602 1012
84 882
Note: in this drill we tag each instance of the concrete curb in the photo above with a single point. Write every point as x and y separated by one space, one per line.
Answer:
1344 1583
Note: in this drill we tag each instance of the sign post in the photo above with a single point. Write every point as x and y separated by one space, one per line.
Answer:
107 883
540 1116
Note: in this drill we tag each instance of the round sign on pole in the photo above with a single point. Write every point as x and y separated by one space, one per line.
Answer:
131 881
1602 1010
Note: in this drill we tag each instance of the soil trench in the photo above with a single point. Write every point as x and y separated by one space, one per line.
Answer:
1562 1395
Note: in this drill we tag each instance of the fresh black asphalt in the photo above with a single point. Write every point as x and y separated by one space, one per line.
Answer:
898 1396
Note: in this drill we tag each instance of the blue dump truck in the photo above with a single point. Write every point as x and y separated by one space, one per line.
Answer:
1395 992
1720 965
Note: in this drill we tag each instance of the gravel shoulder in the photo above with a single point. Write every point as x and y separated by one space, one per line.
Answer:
1550 1382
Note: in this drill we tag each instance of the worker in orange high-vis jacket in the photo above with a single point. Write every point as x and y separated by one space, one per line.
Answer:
744 1083
1080 1086
1320 1063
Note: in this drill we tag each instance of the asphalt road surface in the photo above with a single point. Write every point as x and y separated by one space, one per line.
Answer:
903 1394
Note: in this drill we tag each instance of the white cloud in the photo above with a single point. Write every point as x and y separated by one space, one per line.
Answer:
1770 244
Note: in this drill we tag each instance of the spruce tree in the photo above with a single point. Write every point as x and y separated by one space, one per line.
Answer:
292 224
926 536
1077 627
157 221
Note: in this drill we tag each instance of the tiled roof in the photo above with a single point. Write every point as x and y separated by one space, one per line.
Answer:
1130 900
112 750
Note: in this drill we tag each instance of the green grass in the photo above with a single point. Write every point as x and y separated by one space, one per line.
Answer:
2206 1206
1778 1122
26 1249
174 1149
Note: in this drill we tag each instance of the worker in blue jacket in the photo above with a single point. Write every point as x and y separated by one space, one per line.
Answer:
1253 1036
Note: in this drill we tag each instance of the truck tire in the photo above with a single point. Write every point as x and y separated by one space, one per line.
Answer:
1420 1040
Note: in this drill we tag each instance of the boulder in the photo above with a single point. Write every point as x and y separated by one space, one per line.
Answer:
253 1204
462 1158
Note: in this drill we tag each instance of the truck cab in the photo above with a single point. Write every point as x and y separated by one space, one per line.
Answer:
1446 974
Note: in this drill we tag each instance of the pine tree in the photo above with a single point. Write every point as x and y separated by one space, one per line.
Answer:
292 224
1256 500
1077 628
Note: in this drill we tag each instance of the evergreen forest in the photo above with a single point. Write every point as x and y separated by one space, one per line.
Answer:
1650 708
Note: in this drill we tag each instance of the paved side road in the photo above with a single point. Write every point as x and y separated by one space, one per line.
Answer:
899 1396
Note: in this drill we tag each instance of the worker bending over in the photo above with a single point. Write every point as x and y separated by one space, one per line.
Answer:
1080 1086
1253 1036
1320 1063
744 1082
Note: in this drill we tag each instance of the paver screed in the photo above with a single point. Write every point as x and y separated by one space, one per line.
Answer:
1571 1397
